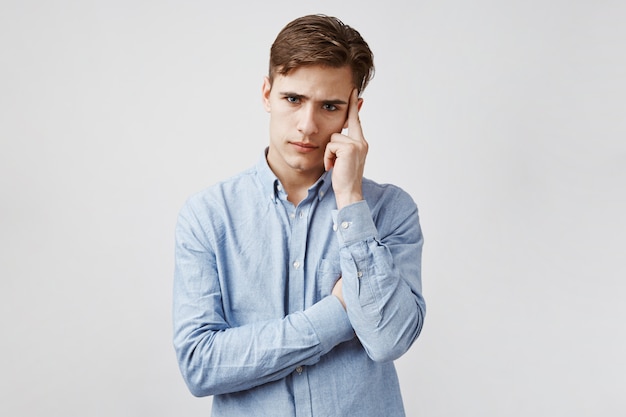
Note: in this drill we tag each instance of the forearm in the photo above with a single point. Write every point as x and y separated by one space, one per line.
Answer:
381 281
216 360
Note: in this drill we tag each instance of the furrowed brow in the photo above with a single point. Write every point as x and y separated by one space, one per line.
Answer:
334 102
291 94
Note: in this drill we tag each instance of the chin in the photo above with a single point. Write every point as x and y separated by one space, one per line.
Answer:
304 165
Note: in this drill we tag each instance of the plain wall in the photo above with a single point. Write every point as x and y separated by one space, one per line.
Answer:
505 120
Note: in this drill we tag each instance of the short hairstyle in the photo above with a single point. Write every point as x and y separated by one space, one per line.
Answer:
321 40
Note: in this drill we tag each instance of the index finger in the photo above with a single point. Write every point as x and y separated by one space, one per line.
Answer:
354 123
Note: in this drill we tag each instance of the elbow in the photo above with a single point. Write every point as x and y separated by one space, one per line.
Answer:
197 391
389 346
384 356
199 382
385 352
385 347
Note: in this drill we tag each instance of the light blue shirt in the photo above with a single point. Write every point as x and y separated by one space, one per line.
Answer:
255 323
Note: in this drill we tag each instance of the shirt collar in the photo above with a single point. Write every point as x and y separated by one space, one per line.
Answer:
270 183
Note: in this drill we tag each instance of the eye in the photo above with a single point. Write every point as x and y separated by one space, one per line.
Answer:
292 99
330 107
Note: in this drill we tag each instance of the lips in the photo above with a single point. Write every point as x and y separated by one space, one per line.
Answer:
303 147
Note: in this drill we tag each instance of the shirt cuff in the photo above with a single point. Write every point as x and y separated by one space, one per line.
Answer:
330 322
354 223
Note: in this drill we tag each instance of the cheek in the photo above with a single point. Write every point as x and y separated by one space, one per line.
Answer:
279 120
336 124
342 121
341 125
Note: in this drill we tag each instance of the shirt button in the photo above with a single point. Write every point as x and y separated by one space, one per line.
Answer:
296 264
359 274
321 193
335 227
292 215
301 214
345 225
299 370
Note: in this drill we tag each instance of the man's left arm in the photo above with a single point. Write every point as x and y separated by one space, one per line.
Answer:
381 266
381 275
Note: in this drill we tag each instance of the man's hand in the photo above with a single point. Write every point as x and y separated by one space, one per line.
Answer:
337 292
346 154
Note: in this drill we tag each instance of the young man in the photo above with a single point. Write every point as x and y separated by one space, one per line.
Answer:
298 282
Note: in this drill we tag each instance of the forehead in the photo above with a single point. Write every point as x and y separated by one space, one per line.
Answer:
316 81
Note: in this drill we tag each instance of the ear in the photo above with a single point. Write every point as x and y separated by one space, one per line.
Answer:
265 93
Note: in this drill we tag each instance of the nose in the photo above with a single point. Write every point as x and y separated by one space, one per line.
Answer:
307 125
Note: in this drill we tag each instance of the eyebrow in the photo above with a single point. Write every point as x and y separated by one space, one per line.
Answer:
303 97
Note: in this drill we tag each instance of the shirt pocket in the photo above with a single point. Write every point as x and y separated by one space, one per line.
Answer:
328 272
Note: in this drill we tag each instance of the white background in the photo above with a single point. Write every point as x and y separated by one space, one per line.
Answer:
505 120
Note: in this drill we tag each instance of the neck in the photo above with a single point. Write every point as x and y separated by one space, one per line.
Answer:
297 186
296 181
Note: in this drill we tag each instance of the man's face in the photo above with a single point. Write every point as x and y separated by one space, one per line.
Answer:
306 107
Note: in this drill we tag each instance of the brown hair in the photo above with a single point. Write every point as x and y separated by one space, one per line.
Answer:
321 40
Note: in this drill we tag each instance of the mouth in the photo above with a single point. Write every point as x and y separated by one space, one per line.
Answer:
303 147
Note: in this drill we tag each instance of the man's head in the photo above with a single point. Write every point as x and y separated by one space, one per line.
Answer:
318 40
316 65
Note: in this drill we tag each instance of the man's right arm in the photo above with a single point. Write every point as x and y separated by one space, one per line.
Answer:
215 358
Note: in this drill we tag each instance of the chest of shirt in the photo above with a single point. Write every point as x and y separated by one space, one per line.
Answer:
276 259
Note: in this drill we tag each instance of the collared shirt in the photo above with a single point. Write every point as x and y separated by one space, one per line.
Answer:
255 324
